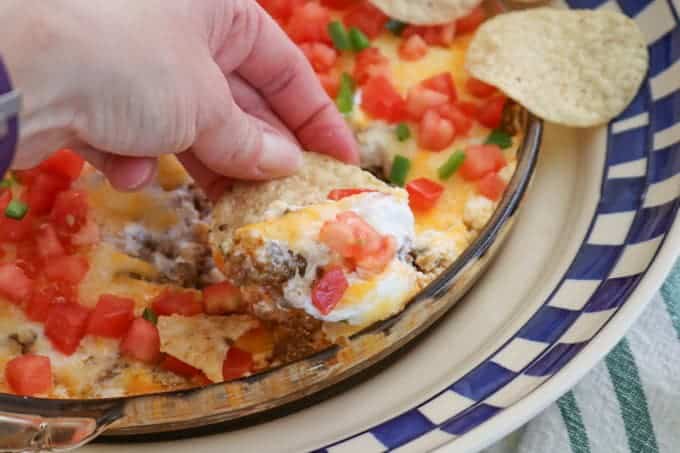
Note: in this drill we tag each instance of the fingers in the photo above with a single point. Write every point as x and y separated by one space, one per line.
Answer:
212 184
275 67
123 172
252 103
238 145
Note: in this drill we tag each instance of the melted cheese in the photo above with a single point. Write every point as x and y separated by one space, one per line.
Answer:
113 209
113 272
121 208
294 228
171 174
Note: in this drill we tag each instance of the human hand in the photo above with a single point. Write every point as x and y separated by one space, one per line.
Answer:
121 82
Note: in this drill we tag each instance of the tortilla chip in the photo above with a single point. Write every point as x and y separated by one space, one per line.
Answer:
202 341
575 68
430 12
248 203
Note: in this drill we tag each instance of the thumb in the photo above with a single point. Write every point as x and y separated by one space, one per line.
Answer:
238 145
125 173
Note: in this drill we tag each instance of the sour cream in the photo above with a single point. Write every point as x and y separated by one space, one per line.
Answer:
367 299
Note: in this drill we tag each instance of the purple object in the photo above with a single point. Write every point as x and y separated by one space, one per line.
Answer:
10 104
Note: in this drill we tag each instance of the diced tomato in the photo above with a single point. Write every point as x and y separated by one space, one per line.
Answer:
330 81
479 89
64 163
60 292
65 326
43 191
433 35
423 193
370 63
382 101
26 177
329 289
481 160
461 122
12 230
175 365
68 268
5 198
29 374
221 298
111 317
142 342
338 4
378 260
471 21
14 284
442 83
421 99
447 34
338 236
236 364
28 259
469 108
435 133
69 212
413 48
366 239
183 303
339 194
281 10
350 236
309 23
490 114
39 305
491 186
366 18
88 234
320 55
48 245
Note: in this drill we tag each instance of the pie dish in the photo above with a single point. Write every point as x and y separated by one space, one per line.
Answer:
108 294
135 260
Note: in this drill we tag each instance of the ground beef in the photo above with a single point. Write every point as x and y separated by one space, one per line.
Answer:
297 341
182 254
276 265
297 335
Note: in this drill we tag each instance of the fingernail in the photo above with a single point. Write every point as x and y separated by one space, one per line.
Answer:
130 173
280 157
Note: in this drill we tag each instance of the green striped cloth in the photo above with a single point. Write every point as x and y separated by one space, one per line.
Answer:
629 403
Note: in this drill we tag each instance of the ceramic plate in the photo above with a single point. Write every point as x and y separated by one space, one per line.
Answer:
595 239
